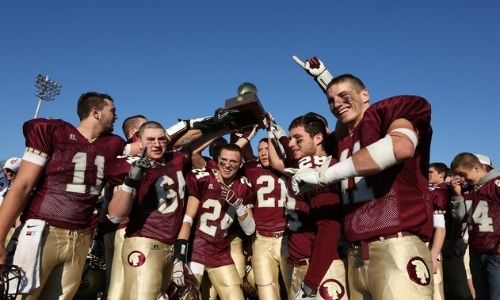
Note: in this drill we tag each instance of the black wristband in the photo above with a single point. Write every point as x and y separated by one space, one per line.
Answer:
131 182
181 249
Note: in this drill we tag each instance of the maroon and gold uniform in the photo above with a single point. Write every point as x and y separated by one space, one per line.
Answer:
389 208
317 242
325 264
74 170
65 197
154 223
269 252
483 214
396 199
210 246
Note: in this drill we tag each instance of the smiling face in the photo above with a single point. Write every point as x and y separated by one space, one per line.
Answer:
471 175
302 144
229 164
348 102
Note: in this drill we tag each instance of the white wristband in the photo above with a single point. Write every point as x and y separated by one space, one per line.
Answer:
176 128
439 221
127 189
341 170
187 219
324 79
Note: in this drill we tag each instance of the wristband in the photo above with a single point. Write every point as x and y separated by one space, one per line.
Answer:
241 210
131 183
181 249
128 189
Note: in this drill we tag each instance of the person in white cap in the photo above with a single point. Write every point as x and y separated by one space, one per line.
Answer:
9 170
481 204
485 160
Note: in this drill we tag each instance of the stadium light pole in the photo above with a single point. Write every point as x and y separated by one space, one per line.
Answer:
47 89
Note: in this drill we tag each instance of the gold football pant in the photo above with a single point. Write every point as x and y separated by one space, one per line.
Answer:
397 268
63 258
147 267
113 243
225 280
268 259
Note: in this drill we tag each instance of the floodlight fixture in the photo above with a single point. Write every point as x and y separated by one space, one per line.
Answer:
47 90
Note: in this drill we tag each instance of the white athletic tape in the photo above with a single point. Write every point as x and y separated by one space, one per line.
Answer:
382 152
439 221
410 134
248 225
187 219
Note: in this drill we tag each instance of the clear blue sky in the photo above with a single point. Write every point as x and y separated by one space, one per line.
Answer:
182 59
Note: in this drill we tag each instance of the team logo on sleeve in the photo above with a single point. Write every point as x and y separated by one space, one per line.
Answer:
418 271
331 289
136 259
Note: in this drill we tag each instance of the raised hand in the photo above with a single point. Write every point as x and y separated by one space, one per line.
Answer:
139 169
317 69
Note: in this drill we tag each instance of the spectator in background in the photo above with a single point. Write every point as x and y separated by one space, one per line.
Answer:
9 171
482 206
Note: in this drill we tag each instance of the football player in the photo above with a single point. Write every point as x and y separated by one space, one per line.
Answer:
482 206
383 151
216 198
114 234
269 251
307 137
152 197
65 164
441 196
314 218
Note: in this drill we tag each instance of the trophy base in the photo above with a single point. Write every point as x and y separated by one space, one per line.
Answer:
246 111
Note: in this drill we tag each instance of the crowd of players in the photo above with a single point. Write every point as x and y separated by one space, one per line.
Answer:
351 213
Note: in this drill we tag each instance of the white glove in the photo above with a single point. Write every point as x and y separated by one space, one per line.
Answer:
304 293
230 197
306 176
316 68
278 131
178 272
249 134
268 120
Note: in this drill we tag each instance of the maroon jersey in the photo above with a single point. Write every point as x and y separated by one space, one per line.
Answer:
270 186
396 199
483 214
300 226
325 212
440 196
159 206
67 192
214 216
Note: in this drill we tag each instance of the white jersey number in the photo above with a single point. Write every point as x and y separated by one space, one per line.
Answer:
168 200
268 183
212 216
480 216
77 185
